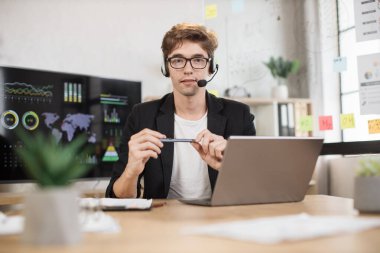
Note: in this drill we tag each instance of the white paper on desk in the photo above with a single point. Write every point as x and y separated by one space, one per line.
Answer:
127 203
122 203
98 222
286 228
89 222
11 225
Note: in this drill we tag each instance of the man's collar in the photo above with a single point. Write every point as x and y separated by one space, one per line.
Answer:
214 105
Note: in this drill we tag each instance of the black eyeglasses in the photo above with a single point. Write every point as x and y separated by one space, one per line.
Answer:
195 62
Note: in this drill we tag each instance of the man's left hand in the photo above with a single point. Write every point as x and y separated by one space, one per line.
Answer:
210 147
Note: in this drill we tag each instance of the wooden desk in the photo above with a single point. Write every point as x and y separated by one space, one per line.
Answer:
158 230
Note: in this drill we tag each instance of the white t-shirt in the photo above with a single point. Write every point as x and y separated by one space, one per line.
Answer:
190 173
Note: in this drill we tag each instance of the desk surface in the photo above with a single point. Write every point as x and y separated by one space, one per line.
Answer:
158 230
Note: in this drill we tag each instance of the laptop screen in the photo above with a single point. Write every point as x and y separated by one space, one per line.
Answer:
266 169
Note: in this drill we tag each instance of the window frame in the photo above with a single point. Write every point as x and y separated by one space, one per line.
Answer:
348 147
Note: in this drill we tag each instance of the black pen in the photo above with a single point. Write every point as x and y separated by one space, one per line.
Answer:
177 140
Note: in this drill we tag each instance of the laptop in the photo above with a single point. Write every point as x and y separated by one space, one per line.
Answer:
258 170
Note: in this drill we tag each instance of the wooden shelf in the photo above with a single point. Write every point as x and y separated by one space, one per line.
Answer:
268 101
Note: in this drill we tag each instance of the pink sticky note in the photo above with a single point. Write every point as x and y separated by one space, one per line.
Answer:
325 123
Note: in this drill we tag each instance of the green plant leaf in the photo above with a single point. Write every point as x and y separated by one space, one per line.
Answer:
295 67
51 163
281 68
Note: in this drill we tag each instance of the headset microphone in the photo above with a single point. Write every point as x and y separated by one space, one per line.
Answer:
203 83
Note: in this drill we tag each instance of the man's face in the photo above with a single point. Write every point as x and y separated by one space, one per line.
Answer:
185 79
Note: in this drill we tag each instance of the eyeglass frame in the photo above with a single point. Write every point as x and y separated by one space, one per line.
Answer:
188 60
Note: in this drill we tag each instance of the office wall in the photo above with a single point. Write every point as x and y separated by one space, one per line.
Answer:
122 38
252 31
116 39
250 35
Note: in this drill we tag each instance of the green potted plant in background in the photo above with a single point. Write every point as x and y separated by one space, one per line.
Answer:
367 186
280 70
52 212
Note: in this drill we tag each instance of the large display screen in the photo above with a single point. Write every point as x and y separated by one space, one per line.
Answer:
63 106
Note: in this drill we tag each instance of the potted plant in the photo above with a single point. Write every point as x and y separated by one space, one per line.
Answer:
367 186
280 70
52 212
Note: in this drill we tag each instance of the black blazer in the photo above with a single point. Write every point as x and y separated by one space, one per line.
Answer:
224 118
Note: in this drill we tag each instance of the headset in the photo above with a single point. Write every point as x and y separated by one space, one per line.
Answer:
165 70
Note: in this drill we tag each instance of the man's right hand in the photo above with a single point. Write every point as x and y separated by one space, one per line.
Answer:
142 146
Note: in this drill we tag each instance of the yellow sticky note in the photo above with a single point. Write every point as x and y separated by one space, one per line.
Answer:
347 121
374 126
214 92
211 11
306 123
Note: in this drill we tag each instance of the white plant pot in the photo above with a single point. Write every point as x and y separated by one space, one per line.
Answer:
366 194
52 217
280 91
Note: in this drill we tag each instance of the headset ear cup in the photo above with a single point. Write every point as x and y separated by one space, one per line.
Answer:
164 69
167 74
212 68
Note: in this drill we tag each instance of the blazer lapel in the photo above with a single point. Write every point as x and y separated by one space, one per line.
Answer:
165 125
216 124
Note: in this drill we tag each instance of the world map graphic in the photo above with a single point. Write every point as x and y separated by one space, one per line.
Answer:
71 124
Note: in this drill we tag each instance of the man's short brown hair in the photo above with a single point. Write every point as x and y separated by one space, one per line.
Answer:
191 32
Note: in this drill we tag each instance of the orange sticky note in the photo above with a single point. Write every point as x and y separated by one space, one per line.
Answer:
347 121
374 126
325 123
306 123
211 11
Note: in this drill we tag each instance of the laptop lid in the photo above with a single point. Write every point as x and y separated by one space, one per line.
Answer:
265 170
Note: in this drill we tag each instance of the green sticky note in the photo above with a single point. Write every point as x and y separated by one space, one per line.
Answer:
306 123
347 121
214 92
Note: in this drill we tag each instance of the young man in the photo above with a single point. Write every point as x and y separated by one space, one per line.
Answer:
181 169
